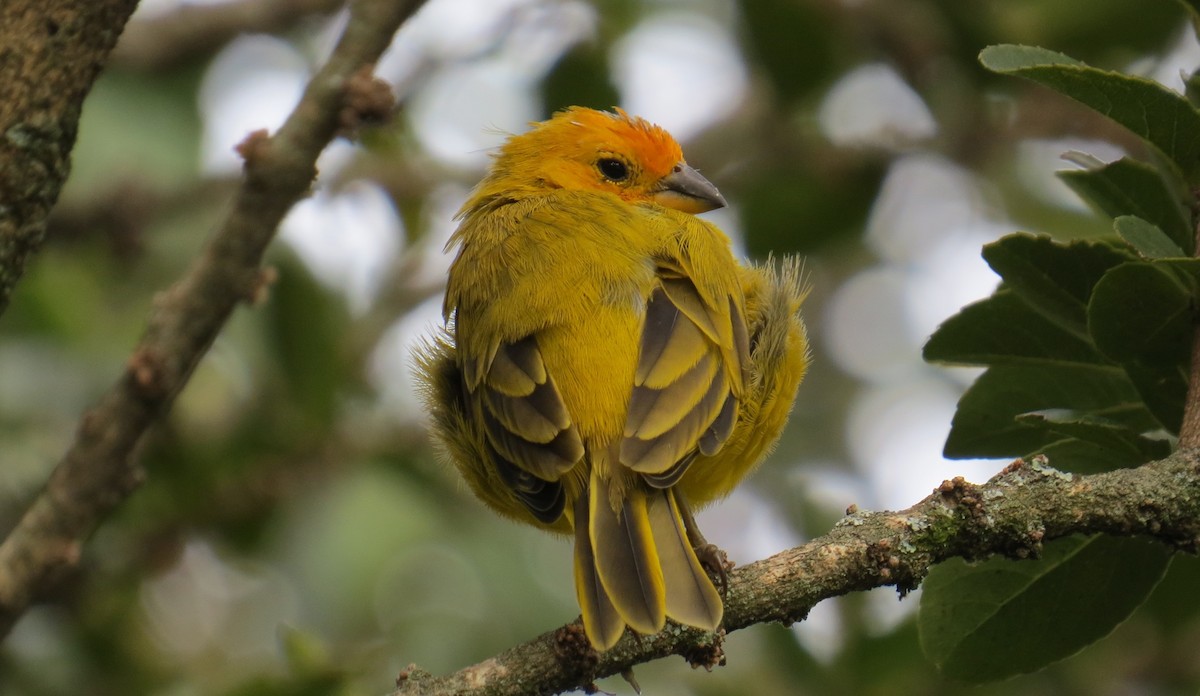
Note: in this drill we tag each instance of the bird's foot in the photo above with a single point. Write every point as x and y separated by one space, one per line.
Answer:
714 560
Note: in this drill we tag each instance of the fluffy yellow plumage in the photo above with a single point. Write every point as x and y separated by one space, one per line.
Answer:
607 364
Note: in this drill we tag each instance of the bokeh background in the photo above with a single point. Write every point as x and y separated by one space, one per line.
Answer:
297 535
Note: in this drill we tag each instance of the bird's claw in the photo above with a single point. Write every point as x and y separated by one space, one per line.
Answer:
714 560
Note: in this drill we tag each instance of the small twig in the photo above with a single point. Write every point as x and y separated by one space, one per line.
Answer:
1012 514
100 469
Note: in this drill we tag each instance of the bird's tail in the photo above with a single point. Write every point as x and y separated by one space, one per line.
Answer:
635 566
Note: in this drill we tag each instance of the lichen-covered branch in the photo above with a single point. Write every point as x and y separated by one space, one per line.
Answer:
100 469
1012 514
51 51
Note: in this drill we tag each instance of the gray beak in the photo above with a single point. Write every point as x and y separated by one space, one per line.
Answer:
684 189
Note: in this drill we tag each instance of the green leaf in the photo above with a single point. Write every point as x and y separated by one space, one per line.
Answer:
1147 238
1083 457
986 425
1003 329
1141 316
1159 116
1173 605
1054 278
1142 311
992 620
1130 187
1188 268
1006 58
1163 388
1120 439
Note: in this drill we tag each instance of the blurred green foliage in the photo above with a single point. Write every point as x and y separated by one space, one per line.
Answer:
296 535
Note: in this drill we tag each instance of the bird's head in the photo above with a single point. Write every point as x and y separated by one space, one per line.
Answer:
587 150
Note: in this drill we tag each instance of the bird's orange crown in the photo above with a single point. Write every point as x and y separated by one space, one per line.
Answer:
646 143
587 150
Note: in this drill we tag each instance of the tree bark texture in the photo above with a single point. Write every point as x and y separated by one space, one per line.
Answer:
51 52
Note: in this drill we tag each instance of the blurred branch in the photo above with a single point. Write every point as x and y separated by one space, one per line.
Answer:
100 469
119 214
1012 514
53 52
164 41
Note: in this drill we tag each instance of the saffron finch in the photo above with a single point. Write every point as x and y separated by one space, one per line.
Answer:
607 365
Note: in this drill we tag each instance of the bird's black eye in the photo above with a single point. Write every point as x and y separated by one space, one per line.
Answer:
613 169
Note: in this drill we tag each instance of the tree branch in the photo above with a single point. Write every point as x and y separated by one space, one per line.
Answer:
1189 429
51 51
100 469
162 42
1012 514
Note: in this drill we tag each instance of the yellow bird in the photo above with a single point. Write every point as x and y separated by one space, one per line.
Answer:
607 364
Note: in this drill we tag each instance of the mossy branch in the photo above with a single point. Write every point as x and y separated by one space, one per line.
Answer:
1026 504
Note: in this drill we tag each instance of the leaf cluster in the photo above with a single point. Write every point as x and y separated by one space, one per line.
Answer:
1086 345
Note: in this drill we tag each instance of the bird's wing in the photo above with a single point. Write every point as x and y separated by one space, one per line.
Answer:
527 425
691 373
689 379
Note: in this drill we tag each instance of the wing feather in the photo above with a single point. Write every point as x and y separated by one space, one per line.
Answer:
527 425
544 499
720 429
538 417
690 596
626 558
741 340
659 454
671 343
604 625
516 369
653 412
691 372
684 295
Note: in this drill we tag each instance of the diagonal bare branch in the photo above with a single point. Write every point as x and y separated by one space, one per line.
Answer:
100 469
